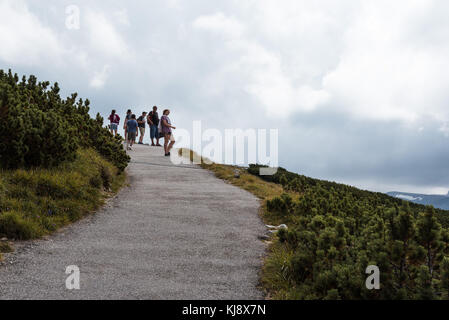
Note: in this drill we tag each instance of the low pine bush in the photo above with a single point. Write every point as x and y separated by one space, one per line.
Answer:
336 231
40 129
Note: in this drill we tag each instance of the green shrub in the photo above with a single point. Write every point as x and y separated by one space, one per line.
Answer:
283 204
335 231
35 138
96 181
18 191
40 129
5 247
276 205
106 177
14 226
53 186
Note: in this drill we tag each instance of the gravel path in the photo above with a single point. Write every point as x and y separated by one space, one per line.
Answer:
176 232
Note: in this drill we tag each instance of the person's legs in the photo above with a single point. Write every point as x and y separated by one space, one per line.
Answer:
158 137
127 139
172 142
133 138
142 134
153 133
114 129
166 141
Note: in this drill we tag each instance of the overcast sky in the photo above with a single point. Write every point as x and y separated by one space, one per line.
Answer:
359 89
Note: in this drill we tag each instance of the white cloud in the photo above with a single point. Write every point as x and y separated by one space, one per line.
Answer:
104 38
407 197
29 41
272 86
24 39
99 78
445 129
259 69
220 23
122 17
383 73
366 59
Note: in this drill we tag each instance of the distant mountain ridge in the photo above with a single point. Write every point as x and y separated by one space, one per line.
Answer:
438 201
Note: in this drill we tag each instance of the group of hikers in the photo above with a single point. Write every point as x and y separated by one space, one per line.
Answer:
159 128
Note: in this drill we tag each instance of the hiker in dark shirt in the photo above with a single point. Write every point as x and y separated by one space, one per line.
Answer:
141 122
131 127
153 121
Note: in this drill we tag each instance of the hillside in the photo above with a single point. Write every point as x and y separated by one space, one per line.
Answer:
56 162
438 201
336 231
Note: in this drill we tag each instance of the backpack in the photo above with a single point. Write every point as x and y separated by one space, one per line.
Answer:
159 128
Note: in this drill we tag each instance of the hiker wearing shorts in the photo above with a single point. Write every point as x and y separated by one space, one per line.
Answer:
141 123
127 118
115 121
169 140
131 128
153 121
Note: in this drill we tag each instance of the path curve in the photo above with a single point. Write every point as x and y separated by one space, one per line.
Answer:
174 233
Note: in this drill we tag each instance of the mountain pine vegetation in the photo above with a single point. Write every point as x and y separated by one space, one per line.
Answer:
336 231
56 162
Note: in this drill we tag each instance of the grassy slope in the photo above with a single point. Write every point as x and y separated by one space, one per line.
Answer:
35 203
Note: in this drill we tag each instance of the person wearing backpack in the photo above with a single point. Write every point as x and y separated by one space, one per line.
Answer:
141 123
115 121
153 121
167 128
131 128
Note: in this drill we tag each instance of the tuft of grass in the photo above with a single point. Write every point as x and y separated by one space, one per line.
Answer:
275 271
37 202
14 225
5 247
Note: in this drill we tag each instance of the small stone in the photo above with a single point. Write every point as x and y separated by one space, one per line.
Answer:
4 239
282 226
264 238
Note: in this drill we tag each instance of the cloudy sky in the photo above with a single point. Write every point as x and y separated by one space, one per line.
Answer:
359 89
